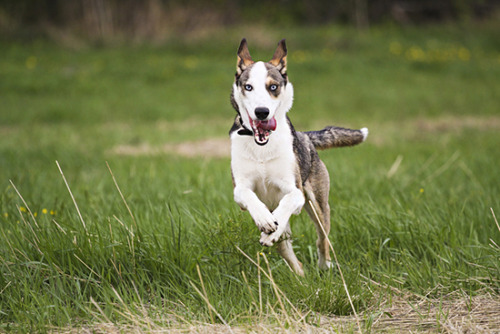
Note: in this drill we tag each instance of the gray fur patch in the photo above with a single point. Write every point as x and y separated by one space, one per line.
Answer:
276 75
243 77
304 152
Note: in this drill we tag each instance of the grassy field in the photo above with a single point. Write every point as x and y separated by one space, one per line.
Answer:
155 241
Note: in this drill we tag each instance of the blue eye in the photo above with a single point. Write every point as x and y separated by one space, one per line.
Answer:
248 87
273 88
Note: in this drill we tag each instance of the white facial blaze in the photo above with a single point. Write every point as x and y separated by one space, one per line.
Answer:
259 95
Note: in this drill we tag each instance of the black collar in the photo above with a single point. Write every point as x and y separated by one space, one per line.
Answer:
244 131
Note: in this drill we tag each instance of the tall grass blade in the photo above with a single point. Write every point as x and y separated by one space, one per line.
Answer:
211 306
72 197
260 269
338 267
495 218
121 195
204 292
24 202
36 241
395 166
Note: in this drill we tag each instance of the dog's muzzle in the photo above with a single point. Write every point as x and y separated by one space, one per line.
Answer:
262 128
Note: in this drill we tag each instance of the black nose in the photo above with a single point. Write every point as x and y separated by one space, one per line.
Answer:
261 113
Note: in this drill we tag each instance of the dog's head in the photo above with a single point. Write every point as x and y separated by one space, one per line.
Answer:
261 91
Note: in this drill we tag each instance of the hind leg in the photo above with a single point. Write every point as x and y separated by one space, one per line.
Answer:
285 249
317 189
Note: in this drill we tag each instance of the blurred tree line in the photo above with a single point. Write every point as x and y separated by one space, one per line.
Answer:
147 18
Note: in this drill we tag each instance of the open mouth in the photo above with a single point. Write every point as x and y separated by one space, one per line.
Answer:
262 130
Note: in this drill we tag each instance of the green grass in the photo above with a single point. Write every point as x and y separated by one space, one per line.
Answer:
422 229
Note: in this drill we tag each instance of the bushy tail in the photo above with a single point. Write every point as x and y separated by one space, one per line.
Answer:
333 136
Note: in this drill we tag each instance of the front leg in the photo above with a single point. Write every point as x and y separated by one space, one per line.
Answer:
291 203
248 200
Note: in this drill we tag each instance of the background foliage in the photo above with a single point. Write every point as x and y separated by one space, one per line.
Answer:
105 20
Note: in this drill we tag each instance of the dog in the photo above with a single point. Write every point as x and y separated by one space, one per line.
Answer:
275 169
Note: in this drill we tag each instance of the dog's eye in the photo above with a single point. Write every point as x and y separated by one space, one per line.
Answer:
273 88
248 87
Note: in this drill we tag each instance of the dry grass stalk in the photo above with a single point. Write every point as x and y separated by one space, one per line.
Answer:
72 197
453 314
121 195
205 293
211 307
338 267
25 204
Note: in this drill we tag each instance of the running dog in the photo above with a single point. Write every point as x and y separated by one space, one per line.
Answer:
276 169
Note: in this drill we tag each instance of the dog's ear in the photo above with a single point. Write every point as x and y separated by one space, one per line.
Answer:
244 59
279 57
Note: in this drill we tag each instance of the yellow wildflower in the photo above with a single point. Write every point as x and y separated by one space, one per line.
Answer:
464 54
44 211
31 62
415 53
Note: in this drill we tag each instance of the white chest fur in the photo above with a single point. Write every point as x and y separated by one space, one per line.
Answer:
268 170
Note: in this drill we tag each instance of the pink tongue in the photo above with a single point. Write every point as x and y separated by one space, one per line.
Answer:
268 125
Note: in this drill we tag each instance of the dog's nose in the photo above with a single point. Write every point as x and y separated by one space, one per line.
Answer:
261 113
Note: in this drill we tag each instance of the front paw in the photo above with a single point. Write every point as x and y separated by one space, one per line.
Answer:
265 221
269 239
